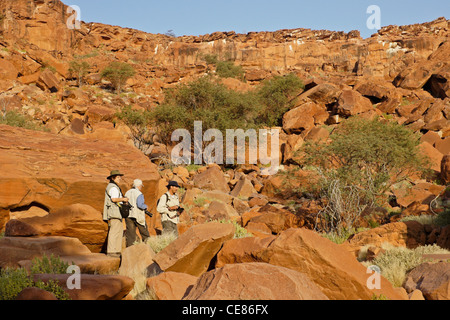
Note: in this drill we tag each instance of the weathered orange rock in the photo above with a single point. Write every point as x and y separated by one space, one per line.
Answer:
75 221
52 171
254 281
432 279
170 285
351 102
93 286
193 251
333 269
242 250
35 294
277 220
211 179
409 234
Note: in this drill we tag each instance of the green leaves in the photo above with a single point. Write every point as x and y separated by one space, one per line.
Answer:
118 73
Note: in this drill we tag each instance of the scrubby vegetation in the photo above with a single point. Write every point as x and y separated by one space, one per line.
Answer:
118 73
17 119
13 281
395 263
208 100
363 160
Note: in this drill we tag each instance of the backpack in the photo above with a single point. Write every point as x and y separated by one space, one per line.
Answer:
167 198
124 208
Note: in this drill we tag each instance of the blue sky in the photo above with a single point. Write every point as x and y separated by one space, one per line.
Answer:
198 17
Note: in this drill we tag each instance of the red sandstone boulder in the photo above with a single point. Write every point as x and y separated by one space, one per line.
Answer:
351 102
211 179
170 285
333 269
242 250
432 279
53 171
193 251
33 293
75 221
254 281
93 286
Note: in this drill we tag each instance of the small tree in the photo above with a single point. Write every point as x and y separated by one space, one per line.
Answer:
278 96
79 69
138 122
118 73
358 167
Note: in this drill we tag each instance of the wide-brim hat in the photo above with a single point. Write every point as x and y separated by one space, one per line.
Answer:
173 184
114 173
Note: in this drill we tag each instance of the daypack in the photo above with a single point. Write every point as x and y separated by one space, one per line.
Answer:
124 208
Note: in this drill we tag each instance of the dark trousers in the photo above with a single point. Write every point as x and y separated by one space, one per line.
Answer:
130 233
170 227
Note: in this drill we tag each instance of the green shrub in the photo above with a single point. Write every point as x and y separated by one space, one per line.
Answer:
225 69
357 168
79 69
139 123
16 119
53 265
13 281
278 96
118 73
204 100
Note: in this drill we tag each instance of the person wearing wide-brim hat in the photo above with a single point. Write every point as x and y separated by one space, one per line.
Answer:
111 213
169 208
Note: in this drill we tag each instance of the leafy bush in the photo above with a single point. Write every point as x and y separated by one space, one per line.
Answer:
13 281
79 68
52 264
225 69
138 122
357 168
278 96
118 73
204 100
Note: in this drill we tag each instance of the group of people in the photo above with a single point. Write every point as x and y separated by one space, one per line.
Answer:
168 206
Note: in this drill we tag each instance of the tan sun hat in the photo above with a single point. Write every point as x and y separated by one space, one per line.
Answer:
114 173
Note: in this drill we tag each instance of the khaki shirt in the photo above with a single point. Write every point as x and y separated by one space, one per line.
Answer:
167 200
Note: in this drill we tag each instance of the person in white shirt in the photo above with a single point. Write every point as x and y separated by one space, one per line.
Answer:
111 214
137 214
169 208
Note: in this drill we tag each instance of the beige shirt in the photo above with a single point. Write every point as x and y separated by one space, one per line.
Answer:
167 200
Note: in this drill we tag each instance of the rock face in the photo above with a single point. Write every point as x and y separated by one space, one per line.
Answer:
15 249
333 269
136 260
254 281
193 251
20 251
93 286
409 234
242 250
53 171
170 285
432 279
35 294
76 221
